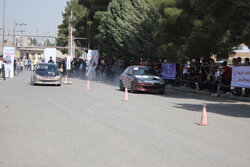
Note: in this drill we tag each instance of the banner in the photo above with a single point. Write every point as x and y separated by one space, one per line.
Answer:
68 63
168 71
8 55
92 62
241 76
49 52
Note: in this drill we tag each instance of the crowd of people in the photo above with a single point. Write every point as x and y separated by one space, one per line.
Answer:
207 74
199 74
104 69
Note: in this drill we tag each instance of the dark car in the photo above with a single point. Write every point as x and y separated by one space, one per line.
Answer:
141 78
46 74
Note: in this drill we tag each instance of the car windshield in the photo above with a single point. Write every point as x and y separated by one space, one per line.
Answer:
46 67
143 71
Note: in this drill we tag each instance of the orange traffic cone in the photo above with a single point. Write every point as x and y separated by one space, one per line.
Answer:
204 116
88 85
125 95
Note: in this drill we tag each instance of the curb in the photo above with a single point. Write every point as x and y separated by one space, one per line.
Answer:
239 98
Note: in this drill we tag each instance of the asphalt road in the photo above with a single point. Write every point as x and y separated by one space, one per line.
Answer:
69 126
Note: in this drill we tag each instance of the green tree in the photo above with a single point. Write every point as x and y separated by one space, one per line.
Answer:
172 29
126 28
79 12
198 28
33 41
48 43
95 10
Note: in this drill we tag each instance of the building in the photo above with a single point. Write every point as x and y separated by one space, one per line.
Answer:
243 52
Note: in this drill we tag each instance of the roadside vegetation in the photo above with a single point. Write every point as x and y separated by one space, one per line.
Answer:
170 30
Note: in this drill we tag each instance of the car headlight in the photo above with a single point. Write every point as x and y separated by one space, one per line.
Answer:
162 81
39 76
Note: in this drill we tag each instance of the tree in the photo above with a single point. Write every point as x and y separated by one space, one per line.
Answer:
33 42
198 28
79 13
48 43
126 28
95 10
172 29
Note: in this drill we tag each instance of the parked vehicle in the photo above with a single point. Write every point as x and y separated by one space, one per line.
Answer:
141 78
46 74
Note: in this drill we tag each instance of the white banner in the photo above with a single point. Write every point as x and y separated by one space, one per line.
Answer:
241 76
68 63
92 61
49 52
8 55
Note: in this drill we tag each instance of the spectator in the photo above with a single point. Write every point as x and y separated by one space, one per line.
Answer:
247 90
235 62
203 75
18 65
2 71
246 63
238 90
15 66
59 64
226 78
22 65
212 83
29 64
51 60
239 63
64 66
25 64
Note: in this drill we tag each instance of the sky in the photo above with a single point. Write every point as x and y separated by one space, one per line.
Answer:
40 16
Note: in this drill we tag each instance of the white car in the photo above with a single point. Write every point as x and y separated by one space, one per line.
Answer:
46 74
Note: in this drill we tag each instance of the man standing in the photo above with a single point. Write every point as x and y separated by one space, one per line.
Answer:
51 60
247 90
2 71
227 77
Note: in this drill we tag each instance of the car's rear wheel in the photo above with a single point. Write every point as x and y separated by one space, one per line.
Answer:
121 86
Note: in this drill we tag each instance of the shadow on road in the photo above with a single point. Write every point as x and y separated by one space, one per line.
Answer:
234 110
189 95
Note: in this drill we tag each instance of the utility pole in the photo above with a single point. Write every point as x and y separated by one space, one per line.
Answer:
87 30
71 39
14 34
46 39
21 31
37 31
3 21
89 23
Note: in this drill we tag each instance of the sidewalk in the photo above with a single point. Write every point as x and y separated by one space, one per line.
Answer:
205 92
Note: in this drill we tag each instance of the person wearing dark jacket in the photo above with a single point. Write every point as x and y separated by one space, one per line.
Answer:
2 70
50 60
